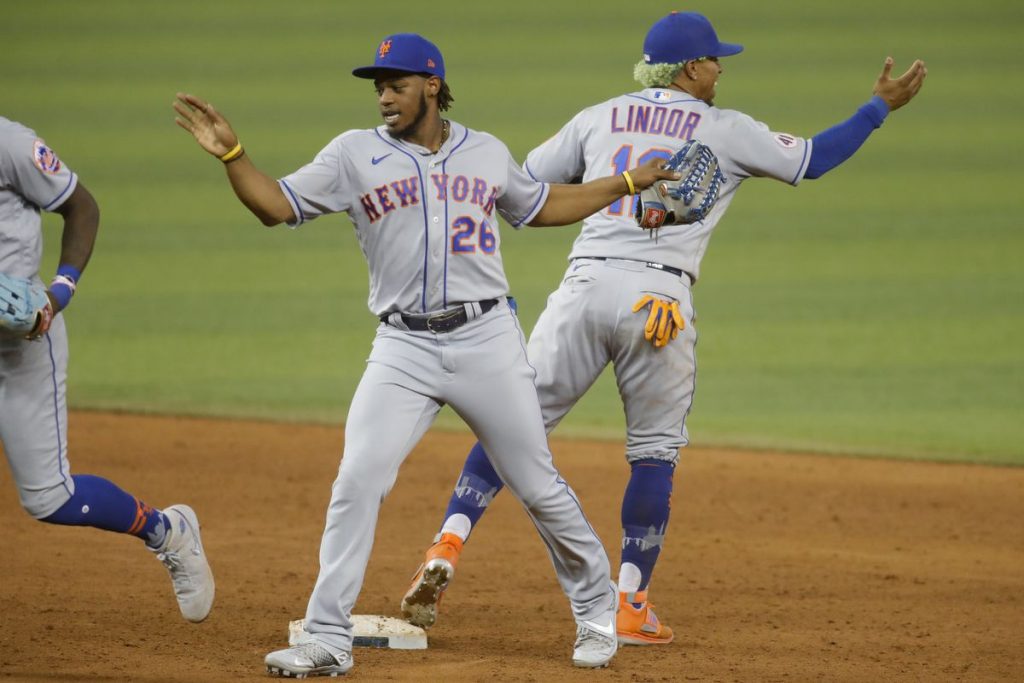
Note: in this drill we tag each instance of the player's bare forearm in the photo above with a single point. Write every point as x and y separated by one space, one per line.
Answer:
81 216
260 193
567 204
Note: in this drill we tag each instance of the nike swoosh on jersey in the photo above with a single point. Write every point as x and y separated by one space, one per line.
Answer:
607 629
377 160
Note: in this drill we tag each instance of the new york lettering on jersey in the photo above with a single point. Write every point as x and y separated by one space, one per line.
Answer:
426 221
405 192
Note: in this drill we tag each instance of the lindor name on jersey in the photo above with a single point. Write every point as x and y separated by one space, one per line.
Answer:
654 120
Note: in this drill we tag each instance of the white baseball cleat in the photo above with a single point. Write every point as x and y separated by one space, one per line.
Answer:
183 555
308 658
595 644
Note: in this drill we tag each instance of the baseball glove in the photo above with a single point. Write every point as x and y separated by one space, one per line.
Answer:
688 199
663 321
24 308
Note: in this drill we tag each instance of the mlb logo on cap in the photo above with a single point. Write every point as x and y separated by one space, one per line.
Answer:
405 52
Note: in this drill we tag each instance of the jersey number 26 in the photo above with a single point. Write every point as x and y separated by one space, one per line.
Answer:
466 236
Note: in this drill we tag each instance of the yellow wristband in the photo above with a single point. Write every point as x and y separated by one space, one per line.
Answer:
233 153
629 182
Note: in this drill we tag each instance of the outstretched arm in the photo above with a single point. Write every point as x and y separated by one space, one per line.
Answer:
259 192
568 204
837 144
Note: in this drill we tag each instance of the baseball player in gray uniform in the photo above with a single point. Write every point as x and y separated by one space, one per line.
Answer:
626 298
423 194
33 374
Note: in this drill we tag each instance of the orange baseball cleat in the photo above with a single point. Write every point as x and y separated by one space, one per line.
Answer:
640 625
419 606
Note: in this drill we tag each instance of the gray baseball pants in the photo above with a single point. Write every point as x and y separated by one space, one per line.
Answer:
481 371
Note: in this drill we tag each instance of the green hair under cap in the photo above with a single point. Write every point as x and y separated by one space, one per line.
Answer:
656 75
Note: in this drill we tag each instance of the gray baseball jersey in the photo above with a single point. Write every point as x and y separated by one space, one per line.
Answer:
588 321
427 225
33 375
32 178
630 129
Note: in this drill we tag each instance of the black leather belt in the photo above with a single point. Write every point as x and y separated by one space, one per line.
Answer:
446 321
650 264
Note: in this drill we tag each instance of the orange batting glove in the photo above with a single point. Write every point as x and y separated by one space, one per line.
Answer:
663 322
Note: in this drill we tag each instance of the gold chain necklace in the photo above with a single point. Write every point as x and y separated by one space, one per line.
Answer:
446 128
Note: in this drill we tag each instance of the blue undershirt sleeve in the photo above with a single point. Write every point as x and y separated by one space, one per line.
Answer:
837 144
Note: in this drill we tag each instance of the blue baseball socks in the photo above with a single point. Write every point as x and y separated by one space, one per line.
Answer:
645 511
477 485
99 503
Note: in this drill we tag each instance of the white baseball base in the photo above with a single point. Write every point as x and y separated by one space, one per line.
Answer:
374 630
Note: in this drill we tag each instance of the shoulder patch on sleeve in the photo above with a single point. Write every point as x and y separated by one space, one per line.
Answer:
45 159
785 140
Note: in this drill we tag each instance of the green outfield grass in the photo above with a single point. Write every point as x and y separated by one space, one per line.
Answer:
879 310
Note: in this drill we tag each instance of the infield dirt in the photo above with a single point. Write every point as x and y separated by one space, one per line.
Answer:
777 567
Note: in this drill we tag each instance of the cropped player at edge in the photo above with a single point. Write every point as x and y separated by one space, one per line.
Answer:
626 298
34 363
422 193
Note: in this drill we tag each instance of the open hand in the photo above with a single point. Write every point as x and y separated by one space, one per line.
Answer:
210 129
897 92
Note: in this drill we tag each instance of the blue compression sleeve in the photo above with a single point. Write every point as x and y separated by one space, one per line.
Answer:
832 147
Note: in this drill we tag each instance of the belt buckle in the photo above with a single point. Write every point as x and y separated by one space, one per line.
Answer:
443 321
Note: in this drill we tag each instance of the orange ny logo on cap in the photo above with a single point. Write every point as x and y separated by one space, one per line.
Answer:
430 63
384 48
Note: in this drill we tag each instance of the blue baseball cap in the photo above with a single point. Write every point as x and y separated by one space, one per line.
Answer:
682 36
405 52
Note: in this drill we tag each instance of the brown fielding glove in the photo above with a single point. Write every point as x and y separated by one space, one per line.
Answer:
663 322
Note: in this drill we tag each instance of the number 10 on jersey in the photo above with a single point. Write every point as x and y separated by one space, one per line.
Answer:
622 161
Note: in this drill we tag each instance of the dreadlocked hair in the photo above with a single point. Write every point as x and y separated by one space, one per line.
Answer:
444 96
656 75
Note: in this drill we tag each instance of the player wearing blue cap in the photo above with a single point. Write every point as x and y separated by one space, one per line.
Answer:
423 194
620 284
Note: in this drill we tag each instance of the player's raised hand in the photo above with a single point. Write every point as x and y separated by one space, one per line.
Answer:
210 129
648 173
898 91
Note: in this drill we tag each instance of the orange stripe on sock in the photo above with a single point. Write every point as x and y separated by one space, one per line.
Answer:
140 517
